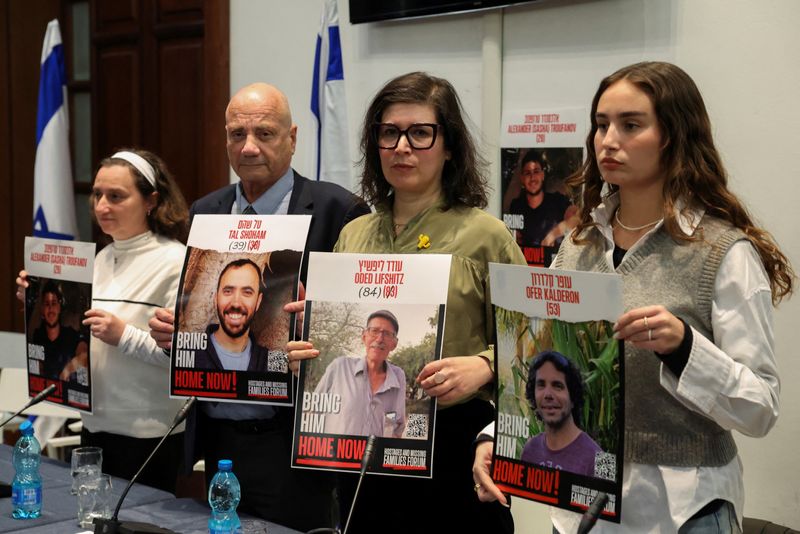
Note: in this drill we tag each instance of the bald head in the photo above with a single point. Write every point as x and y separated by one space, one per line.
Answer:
261 137
260 96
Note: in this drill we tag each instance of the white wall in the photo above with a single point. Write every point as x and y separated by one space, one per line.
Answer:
274 41
745 58
742 54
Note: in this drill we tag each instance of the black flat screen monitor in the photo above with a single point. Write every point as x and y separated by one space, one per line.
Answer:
375 10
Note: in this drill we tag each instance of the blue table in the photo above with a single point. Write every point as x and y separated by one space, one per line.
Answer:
58 504
143 504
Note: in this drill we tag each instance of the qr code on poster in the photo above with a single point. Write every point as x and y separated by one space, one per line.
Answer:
277 361
417 426
83 376
605 465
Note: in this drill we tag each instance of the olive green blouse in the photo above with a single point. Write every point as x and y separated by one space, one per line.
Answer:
473 238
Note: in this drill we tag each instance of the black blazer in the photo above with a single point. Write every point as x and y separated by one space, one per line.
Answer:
331 207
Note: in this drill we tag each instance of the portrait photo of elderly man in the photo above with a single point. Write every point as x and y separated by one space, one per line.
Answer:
372 391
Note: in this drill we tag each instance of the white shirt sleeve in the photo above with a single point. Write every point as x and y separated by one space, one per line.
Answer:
734 379
489 429
138 344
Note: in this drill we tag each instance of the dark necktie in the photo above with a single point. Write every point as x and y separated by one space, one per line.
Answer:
249 210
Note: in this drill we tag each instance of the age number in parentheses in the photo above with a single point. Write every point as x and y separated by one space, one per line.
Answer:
238 246
369 292
387 292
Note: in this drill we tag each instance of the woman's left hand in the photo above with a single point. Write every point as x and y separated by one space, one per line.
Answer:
650 327
454 378
105 326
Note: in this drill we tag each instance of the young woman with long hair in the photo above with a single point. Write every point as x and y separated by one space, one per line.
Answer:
699 282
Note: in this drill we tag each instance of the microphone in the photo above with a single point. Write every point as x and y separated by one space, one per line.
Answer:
183 412
366 461
42 395
590 516
112 526
5 489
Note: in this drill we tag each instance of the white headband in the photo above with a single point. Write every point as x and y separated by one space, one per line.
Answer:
140 164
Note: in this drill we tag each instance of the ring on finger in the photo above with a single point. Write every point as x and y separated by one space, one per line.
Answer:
476 487
649 334
438 377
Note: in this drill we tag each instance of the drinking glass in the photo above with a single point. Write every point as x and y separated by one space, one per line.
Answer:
86 462
254 526
94 498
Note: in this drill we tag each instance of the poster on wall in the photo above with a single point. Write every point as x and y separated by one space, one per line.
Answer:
375 329
58 295
231 335
559 425
540 150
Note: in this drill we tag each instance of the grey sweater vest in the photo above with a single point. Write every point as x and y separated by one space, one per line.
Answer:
658 429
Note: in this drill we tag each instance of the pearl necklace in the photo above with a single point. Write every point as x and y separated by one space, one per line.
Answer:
634 228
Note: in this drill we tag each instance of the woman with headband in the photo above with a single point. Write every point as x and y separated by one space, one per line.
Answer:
138 204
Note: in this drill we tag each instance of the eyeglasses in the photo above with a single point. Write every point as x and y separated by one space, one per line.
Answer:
420 135
376 332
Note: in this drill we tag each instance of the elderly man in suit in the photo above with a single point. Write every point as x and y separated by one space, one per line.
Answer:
261 139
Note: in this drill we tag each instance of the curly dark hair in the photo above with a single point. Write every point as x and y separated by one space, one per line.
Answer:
571 373
170 217
692 166
463 177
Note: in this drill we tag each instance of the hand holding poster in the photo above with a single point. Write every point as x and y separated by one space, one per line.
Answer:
375 327
231 330
58 295
558 434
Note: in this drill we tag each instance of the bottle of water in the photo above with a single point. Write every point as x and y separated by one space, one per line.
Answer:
224 494
26 489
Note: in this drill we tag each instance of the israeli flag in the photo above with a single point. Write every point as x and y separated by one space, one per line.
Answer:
328 103
53 198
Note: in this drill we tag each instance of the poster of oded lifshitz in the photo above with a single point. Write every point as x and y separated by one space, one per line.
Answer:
559 427
58 295
231 331
376 320
541 149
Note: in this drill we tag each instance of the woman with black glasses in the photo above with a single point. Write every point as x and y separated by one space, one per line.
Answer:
424 177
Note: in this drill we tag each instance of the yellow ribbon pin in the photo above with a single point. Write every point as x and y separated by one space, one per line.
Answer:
424 241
